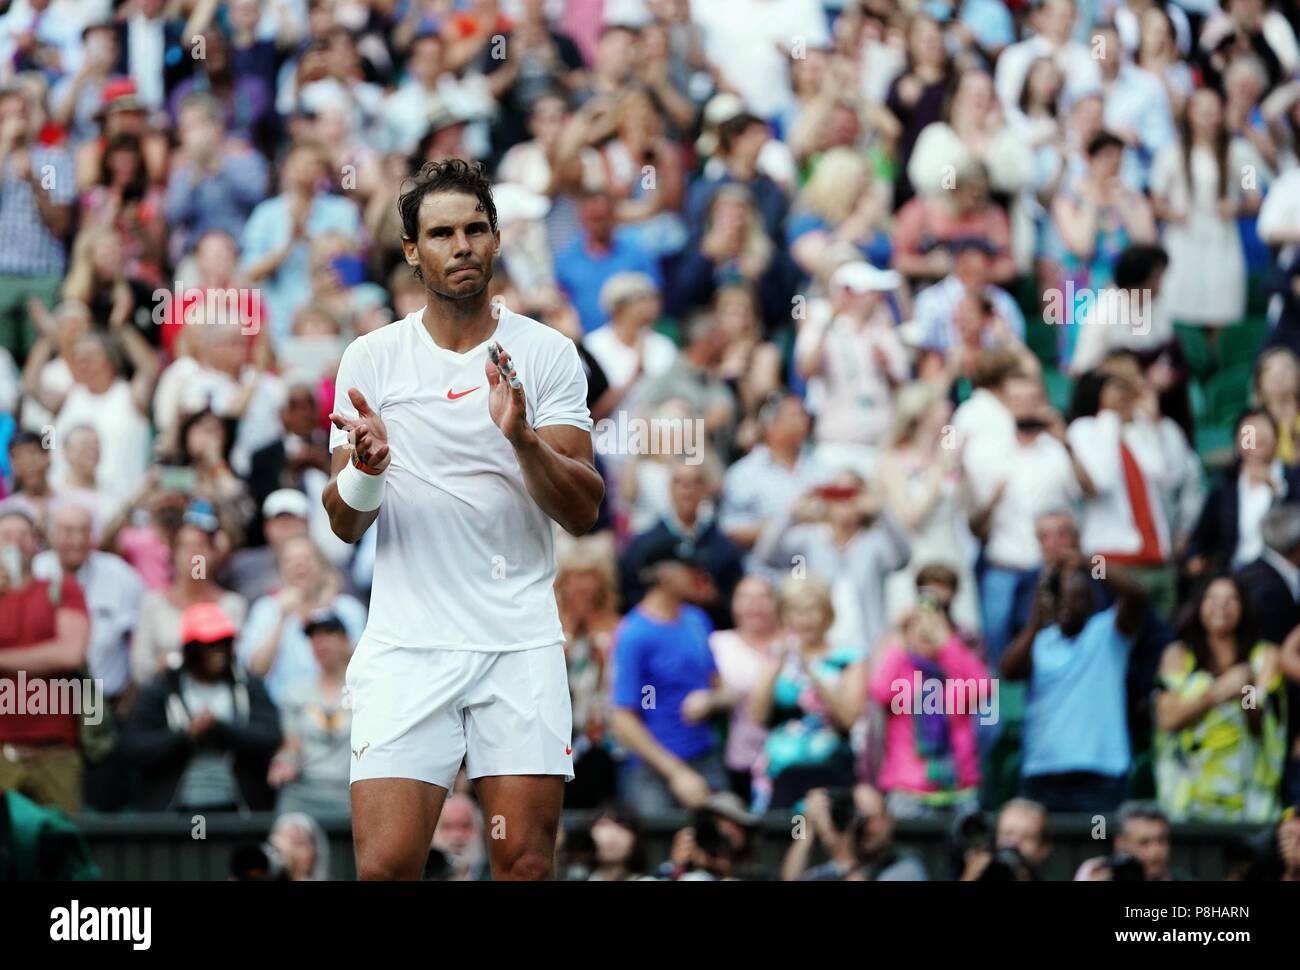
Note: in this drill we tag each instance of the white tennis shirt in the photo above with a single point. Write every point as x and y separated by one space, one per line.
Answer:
465 559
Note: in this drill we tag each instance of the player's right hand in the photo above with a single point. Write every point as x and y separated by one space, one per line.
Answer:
369 436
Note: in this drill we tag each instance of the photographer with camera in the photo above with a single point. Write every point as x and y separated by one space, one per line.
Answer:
717 845
856 831
1015 850
1076 744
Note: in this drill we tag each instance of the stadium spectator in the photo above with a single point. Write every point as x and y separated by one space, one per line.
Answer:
1220 680
310 771
44 633
768 480
921 483
741 656
101 398
619 846
731 246
689 524
917 94
926 226
1196 193
217 180
717 845
195 551
1075 658
1011 484
596 256
113 592
665 690
693 377
799 699
1227 535
34 219
586 592
1094 217
626 346
275 240
850 350
860 846
841 204
931 759
273 643
1144 834
29 463
302 847
1025 826
202 735
1144 481
1277 389
842 533
741 140
253 572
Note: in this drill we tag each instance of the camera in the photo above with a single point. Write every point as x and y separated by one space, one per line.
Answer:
259 862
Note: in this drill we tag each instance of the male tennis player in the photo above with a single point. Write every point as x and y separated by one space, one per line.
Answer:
466 463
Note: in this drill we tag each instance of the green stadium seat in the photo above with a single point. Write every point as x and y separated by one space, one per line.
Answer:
1195 349
1200 404
1059 389
1240 344
1214 446
1228 393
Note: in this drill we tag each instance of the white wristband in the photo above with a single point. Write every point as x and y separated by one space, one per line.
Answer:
359 490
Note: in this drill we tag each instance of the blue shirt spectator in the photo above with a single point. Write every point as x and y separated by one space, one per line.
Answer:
1075 719
656 664
599 253
218 183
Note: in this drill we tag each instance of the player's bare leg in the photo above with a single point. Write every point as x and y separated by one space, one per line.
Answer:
392 826
521 816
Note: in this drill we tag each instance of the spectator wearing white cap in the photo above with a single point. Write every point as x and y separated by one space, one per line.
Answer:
853 360
253 572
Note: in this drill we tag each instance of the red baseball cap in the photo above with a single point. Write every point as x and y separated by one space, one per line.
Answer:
205 623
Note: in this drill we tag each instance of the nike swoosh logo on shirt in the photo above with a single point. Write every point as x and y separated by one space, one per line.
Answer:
452 395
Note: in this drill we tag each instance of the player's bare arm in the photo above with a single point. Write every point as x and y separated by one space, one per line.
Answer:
559 470
369 456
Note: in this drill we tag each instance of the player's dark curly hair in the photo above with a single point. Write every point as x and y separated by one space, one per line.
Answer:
447 175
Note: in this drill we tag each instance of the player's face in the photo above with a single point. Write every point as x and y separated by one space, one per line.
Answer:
456 245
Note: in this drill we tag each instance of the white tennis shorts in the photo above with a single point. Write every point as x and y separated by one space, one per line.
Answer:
418 713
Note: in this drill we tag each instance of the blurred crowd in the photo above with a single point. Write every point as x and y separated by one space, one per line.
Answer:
943 356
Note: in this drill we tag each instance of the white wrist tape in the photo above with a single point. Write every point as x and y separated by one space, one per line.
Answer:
360 491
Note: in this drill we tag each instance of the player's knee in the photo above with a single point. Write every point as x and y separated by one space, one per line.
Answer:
384 865
530 866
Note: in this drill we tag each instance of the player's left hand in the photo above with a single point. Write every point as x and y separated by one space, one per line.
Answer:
506 404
